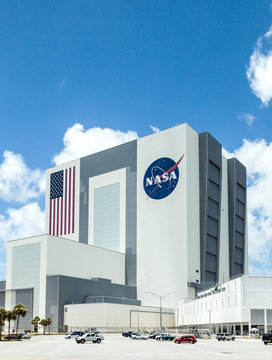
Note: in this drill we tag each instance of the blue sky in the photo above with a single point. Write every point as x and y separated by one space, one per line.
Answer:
126 65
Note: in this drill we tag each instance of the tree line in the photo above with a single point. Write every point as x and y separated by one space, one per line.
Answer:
18 311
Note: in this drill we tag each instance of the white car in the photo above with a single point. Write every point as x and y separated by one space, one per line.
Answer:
94 337
138 336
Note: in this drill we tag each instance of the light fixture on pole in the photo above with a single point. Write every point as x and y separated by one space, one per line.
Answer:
160 297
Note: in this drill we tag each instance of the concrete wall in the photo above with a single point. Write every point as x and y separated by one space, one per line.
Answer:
28 279
65 257
105 315
56 256
168 253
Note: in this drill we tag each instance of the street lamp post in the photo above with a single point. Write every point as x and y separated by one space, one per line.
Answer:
160 297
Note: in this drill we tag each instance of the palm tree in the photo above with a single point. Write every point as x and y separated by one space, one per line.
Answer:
49 322
20 310
3 316
10 316
35 322
43 322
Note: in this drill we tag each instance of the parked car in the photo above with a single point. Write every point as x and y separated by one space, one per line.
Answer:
94 337
153 336
224 337
24 336
74 334
267 338
138 336
186 339
165 336
13 337
127 334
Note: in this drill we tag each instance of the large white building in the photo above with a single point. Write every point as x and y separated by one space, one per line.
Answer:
161 215
235 306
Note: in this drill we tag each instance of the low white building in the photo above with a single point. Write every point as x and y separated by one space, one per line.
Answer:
110 317
234 306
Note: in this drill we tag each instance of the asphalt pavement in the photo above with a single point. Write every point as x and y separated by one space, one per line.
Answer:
115 347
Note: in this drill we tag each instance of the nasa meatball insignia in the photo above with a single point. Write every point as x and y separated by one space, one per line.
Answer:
161 178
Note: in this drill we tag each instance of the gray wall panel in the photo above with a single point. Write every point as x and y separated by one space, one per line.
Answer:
257 316
61 290
213 208
237 216
212 244
123 156
269 316
213 190
239 240
2 293
210 173
2 285
2 298
240 208
212 228
25 297
52 301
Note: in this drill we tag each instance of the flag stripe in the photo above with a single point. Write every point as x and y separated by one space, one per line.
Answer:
61 215
73 208
50 216
57 232
69 202
65 215
54 216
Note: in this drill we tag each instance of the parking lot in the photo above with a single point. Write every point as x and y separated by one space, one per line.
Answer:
116 347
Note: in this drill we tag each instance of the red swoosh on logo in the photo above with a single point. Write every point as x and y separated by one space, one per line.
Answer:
167 171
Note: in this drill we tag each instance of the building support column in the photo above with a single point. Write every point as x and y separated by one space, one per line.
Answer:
241 329
265 320
234 329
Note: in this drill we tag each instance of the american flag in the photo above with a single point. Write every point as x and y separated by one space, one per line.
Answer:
62 202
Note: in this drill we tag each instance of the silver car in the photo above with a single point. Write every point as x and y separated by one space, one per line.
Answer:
224 337
94 337
138 336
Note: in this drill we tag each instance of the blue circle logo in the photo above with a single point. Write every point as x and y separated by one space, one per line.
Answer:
161 178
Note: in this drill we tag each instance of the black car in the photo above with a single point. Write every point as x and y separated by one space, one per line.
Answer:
267 338
13 337
153 336
127 334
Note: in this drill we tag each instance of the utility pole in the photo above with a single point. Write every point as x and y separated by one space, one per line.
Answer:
160 297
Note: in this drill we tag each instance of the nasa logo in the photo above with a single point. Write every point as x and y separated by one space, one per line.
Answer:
161 178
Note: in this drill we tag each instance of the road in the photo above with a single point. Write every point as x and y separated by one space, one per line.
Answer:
115 347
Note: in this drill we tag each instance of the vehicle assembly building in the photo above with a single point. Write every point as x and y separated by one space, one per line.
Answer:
160 215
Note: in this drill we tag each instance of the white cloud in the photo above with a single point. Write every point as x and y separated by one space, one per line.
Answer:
256 155
249 118
259 71
154 128
17 181
80 142
26 221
